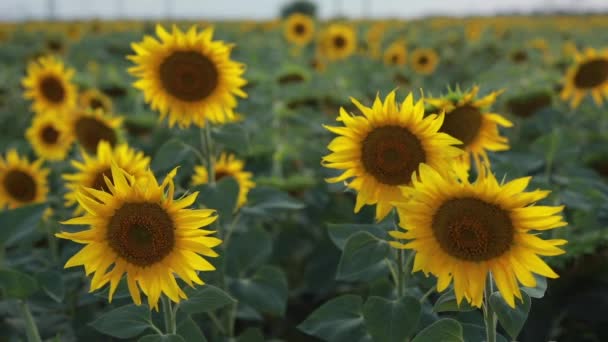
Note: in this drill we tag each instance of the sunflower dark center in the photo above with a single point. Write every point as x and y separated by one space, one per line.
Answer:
52 89
391 154
141 233
99 182
423 60
463 123
49 135
592 73
299 29
221 174
339 42
395 58
90 131
96 104
519 56
54 45
20 186
189 75
472 230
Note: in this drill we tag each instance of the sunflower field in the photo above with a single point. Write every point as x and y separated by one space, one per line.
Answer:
438 179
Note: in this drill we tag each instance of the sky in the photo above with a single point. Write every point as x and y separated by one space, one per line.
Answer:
264 9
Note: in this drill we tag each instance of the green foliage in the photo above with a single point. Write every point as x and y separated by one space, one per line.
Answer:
204 299
391 320
15 284
512 320
363 257
19 223
445 330
124 322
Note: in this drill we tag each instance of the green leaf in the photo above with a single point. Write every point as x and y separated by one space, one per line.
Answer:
123 322
52 284
189 330
266 291
512 320
205 298
15 284
339 233
539 290
247 251
444 330
338 320
234 137
251 335
170 154
221 196
362 252
389 320
474 332
19 223
162 338
447 302
264 201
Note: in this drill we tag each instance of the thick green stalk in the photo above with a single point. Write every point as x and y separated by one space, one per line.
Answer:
169 315
489 316
208 145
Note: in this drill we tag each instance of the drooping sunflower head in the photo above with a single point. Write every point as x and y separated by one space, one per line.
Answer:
48 83
424 61
469 119
337 42
93 169
396 54
94 99
50 137
299 29
92 127
381 149
462 231
137 228
227 165
187 76
588 75
21 182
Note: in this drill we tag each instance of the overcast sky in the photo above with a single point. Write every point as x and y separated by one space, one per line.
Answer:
262 9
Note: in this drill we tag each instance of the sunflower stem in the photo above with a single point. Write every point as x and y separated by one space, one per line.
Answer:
489 316
31 330
400 281
169 315
207 142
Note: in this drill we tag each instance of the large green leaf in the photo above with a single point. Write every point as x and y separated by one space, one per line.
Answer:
162 338
474 332
339 233
338 320
539 290
511 319
444 330
265 291
189 330
264 201
170 154
362 253
15 284
447 302
247 251
205 298
52 284
221 196
391 320
251 335
123 322
20 222
233 137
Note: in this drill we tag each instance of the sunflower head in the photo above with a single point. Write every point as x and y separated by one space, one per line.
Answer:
468 118
463 230
381 149
48 83
137 228
299 29
396 54
94 99
337 42
187 76
92 127
50 137
92 171
21 182
588 75
227 166
424 61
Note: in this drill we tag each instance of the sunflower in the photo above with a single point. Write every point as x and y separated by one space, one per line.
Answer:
424 61
48 83
92 127
396 54
383 148
188 76
94 99
138 228
462 230
227 166
299 29
588 75
21 182
92 170
51 138
469 120
338 42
